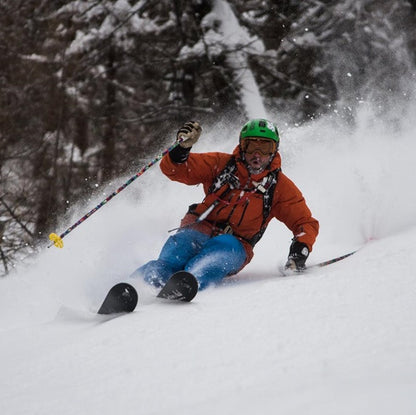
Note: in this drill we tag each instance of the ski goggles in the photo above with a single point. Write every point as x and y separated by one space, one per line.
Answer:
261 145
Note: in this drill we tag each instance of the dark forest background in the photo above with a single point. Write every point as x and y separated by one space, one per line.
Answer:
91 90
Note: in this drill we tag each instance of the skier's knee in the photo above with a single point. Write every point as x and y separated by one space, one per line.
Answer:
155 273
227 243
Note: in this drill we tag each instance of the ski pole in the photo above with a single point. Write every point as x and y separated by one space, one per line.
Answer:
205 213
57 239
333 260
318 265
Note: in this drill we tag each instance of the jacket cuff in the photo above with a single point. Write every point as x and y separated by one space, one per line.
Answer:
179 154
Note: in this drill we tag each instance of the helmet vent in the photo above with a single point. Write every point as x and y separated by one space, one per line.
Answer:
260 127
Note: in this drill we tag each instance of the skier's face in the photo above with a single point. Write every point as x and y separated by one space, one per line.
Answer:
257 162
258 153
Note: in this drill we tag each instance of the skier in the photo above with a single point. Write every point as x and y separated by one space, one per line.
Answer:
243 192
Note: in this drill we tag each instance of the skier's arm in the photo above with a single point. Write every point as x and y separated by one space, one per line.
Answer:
291 208
196 169
191 168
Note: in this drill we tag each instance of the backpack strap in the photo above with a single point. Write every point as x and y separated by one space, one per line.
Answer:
268 192
227 176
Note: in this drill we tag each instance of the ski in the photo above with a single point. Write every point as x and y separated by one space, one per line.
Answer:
181 286
122 298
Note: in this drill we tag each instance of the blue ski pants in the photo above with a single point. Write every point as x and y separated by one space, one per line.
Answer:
209 259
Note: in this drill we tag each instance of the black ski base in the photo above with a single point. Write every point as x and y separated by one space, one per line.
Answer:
181 286
122 298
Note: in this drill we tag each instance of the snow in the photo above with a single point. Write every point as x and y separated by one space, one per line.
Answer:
340 340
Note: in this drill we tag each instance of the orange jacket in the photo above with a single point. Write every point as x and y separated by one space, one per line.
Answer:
242 208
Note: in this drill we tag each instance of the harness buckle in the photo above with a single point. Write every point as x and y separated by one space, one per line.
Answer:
228 230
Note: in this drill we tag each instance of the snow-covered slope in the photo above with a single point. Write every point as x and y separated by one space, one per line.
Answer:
341 340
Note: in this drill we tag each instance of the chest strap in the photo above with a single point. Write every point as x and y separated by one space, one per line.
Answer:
266 188
268 192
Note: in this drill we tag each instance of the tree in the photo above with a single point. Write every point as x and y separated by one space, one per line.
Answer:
321 53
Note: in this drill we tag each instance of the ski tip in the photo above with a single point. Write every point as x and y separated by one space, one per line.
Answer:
122 298
181 286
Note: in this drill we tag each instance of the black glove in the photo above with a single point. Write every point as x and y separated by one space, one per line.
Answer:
298 253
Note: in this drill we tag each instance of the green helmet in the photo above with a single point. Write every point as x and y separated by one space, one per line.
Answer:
260 127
